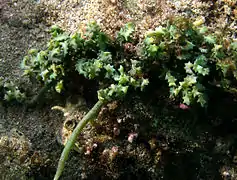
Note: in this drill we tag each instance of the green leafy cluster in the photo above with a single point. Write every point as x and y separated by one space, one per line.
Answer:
125 33
110 73
10 92
89 53
190 88
225 55
53 65
118 80
48 66
185 53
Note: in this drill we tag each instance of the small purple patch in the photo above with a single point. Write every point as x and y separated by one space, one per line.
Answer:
183 106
